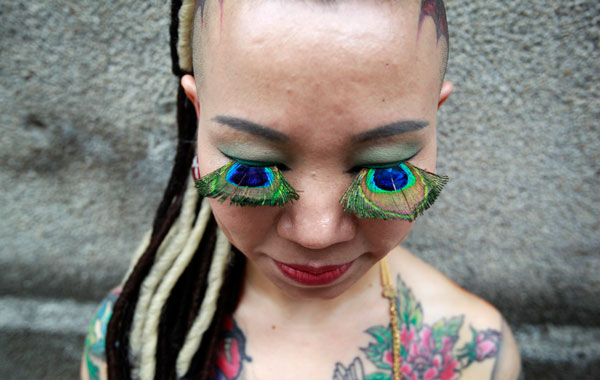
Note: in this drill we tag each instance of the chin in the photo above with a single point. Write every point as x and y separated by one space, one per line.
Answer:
313 292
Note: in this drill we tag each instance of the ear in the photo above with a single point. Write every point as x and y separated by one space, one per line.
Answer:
189 87
447 88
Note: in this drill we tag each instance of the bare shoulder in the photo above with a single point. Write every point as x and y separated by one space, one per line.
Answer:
508 362
93 362
461 326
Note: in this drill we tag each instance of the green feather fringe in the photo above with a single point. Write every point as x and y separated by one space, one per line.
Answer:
215 185
356 202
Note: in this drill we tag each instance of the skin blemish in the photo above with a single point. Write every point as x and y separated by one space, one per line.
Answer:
273 327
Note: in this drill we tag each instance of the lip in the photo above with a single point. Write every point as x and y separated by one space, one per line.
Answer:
313 276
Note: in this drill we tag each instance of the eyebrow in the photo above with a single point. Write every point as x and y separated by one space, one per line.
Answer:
270 134
389 130
251 128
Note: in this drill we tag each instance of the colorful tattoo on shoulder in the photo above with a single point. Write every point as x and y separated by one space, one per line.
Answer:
232 352
436 10
428 352
94 351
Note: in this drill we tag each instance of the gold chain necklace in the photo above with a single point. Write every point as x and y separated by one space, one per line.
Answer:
390 294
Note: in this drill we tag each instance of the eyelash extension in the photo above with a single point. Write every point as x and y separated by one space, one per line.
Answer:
402 192
247 185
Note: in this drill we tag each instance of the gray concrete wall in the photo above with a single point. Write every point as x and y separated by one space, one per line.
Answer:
87 135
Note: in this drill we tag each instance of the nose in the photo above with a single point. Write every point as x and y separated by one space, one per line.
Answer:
317 220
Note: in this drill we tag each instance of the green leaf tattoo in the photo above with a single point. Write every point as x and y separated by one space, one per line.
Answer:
378 376
376 351
410 311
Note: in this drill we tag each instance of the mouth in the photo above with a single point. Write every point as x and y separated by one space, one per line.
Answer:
313 276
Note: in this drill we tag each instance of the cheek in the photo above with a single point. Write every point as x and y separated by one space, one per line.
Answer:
384 235
426 159
245 227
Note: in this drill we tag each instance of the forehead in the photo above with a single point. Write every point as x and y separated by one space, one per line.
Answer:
346 56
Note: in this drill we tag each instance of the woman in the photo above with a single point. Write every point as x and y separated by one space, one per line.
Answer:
316 147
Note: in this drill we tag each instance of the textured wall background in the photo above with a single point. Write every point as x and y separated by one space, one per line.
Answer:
87 135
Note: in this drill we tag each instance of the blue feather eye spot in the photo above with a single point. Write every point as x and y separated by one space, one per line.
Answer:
401 191
390 179
247 185
250 176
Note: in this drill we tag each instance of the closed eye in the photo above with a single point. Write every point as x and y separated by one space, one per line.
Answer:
358 168
247 183
398 191
259 164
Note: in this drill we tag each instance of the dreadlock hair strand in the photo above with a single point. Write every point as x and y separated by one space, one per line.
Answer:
150 333
203 362
184 279
117 338
185 18
171 249
183 305
209 304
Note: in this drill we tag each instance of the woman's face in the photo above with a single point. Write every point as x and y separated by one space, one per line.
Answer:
320 81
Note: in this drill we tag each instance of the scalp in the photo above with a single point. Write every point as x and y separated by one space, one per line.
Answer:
429 18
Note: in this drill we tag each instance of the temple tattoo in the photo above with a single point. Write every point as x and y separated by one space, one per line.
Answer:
428 351
200 4
436 10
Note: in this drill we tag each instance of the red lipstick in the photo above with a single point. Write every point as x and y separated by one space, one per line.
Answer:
307 275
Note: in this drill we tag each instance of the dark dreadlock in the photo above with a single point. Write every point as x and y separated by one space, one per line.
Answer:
182 306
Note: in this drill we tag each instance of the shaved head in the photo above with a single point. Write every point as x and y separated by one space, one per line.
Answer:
429 18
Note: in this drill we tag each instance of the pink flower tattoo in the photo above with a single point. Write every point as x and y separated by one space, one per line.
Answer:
428 352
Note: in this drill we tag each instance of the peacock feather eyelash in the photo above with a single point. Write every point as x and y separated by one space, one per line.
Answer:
402 191
246 185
